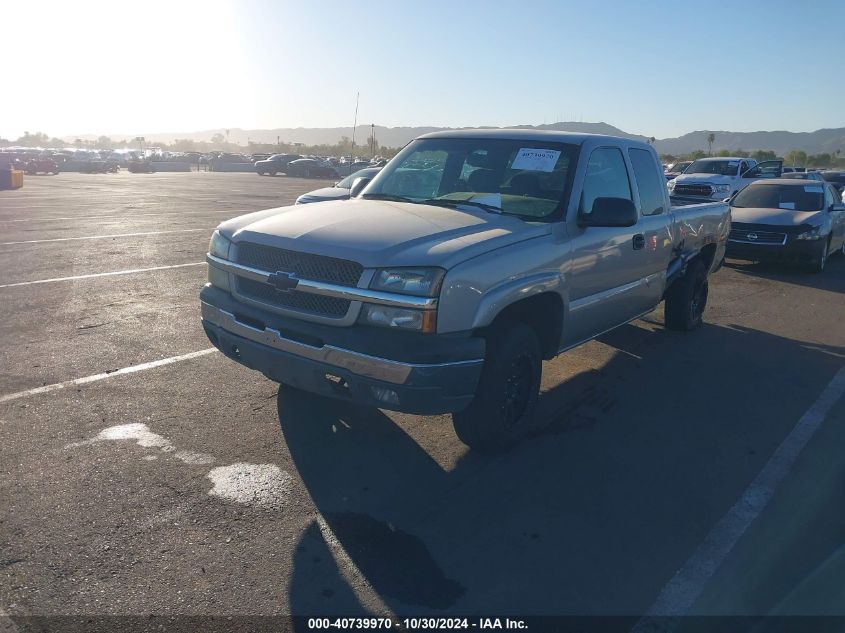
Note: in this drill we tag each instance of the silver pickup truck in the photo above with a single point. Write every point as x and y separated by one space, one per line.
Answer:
468 260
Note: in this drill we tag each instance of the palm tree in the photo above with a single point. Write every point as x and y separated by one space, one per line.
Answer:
710 138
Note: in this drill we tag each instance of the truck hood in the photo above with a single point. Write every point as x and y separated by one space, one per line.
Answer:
776 217
321 195
379 233
709 179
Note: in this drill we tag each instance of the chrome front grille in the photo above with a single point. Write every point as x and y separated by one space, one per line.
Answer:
330 307
752 236
341 272
303 265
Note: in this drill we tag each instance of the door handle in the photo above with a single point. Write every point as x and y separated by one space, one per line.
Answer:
639 241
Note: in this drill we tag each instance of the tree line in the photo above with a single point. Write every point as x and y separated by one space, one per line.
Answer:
217 143
369 147
796 158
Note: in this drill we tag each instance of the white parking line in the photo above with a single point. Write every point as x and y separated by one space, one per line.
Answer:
118 372
116 272
103 237
681 592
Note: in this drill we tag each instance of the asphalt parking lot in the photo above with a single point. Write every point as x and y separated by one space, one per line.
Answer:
142 472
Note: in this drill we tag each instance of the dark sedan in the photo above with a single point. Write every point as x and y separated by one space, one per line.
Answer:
787 220
276 164
310 168
676 169
803 175
341 189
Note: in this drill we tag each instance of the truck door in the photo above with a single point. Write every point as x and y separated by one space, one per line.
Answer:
654 225
766 169
609 264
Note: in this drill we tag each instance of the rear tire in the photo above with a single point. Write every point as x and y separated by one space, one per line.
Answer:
687 299
502 411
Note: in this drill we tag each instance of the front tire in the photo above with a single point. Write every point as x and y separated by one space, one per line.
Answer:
502 411
687 299
818 265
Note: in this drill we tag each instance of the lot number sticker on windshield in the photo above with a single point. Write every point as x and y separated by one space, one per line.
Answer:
536 159
813 189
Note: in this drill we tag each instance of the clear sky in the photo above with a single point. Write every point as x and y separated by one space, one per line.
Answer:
654 68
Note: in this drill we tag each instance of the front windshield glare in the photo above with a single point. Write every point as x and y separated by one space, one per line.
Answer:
792 198
719 167
517 177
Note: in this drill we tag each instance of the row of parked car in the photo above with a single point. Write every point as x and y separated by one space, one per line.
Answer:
311 166
718 178
777 213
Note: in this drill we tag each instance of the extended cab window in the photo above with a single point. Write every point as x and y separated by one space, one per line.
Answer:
650 182
606 177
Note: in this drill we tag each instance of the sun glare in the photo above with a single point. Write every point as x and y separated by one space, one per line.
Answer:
91 66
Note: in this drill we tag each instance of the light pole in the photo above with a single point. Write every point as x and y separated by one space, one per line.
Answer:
372 140
355 123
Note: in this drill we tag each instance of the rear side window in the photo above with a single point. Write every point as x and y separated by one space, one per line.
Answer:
606 177
650 182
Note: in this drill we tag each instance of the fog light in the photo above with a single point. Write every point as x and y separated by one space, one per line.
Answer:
387 396
218 277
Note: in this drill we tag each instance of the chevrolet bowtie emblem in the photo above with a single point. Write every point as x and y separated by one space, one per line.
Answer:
283 281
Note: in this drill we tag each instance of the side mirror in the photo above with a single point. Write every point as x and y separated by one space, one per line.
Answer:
358 186
837 206
610 212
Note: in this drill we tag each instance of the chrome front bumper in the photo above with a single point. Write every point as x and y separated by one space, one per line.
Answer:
363 365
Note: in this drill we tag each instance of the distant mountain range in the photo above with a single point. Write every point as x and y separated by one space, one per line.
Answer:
825 140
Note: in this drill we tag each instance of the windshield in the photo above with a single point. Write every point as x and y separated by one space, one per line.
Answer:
720 167
524 178
790 197
346 183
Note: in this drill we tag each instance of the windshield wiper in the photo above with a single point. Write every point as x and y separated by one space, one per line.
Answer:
386 196
440 202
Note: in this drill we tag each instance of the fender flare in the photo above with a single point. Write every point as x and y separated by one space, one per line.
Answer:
514 290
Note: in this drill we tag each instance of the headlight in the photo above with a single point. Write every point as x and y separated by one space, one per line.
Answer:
421 282
402 318
671 184
721 188
219 246
813 234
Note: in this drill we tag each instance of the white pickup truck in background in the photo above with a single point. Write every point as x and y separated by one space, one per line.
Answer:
720 178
